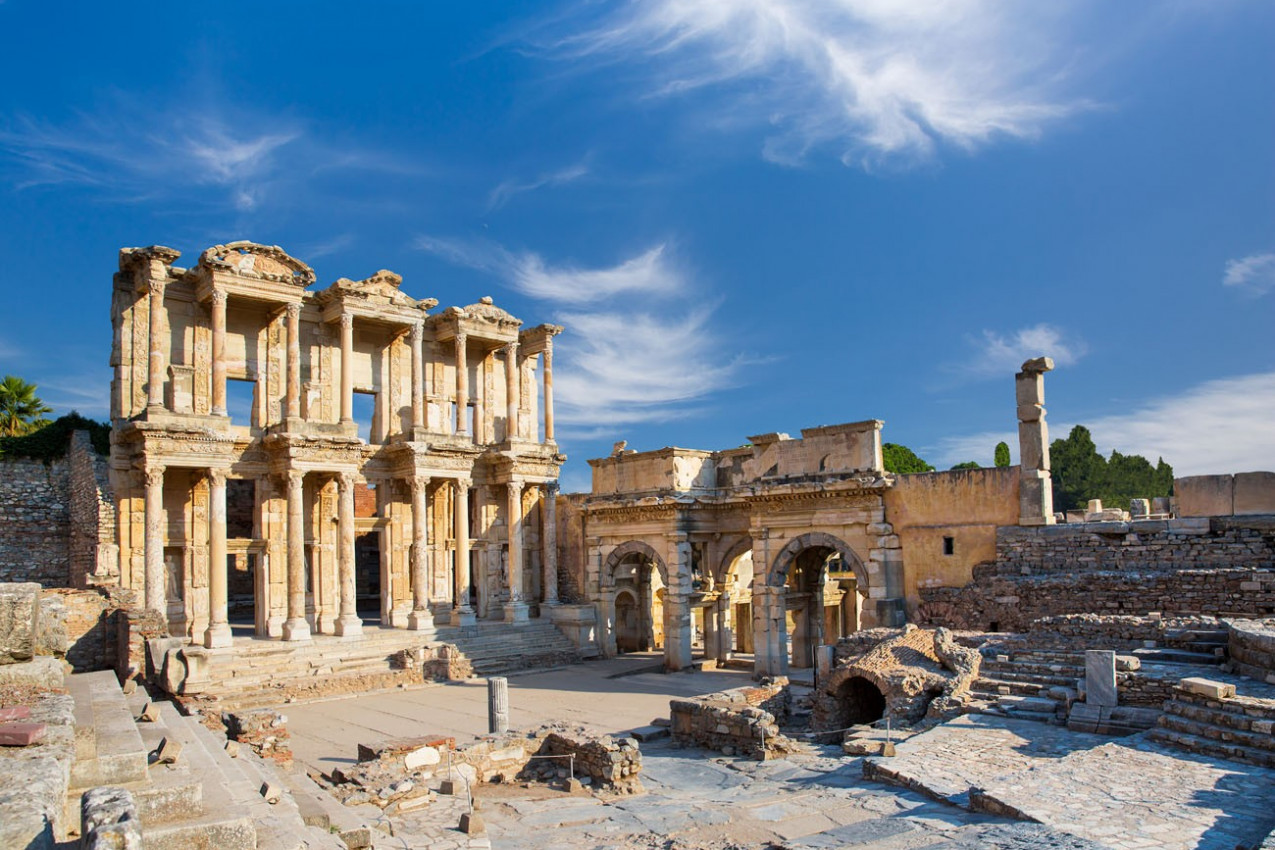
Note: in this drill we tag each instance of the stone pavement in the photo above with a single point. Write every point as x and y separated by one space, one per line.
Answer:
1123 793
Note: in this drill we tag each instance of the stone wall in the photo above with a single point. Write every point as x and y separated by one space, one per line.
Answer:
743 721
1221 566
92 550
35 521
572 551
1251 645
1242 494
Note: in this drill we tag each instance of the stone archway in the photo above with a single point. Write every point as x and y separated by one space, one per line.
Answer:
794 587
674 615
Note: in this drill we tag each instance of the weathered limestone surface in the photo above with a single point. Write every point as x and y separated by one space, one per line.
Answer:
743 721
19 621
35 521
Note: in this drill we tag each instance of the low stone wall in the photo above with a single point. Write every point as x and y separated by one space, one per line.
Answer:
743 721
1121 631
1251 645
35 521
264 730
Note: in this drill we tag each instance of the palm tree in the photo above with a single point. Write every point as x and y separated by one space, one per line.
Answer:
20 408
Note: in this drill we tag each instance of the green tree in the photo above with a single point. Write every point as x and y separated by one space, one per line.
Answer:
902 460
1079 474
968 464
21 410
1001 455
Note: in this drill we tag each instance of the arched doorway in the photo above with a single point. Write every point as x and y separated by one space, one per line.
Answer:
803 603
629 634
859 701
662 618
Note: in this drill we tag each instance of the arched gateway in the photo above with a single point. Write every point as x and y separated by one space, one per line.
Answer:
635 583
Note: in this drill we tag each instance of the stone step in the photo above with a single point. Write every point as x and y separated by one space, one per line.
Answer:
1211 747
1233 714
992 686
1168 655
1228 734
320 810
109 750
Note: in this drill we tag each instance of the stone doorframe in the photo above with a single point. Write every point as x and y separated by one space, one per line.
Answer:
770 628
677 611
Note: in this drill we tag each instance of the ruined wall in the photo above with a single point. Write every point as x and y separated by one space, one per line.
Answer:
92 548
1242 494
1223 566
743 721
35 521
572 549
946 523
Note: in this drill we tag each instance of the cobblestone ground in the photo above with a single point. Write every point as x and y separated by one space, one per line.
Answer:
1126 793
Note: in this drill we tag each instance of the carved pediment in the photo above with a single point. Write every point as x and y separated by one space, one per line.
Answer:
263 262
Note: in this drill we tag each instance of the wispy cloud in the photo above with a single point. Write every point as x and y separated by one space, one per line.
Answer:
506 190
650 273
999 354
619 362
877 80
1218 426
128 151
1254 274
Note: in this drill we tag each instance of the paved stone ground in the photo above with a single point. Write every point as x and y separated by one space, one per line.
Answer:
1122 793
1089 791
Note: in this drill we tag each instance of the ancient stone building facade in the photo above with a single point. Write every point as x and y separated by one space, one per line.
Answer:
239 460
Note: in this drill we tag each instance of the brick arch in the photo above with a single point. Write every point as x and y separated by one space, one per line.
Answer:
631 547
778 573
745 544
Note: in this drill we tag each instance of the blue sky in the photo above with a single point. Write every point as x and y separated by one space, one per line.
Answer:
753 216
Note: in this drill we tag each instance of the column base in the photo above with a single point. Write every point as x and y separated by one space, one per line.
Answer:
464 617
419 621
516 612
218 635
274 627
349 626
296 629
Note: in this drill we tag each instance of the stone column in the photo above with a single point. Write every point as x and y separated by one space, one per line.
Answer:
549 537
219 353
512 395
463 614
418 376
462 385
548 379
712 636
218 631
347 369
293 406
296 627
497 705
155 365
1035 493
725 629
516 609
156 586
421 617
348 623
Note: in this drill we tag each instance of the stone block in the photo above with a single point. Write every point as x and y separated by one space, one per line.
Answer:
650 733
17 712
19 621
1139 508
422 757
1207 688
1161 505
271 792
471 823
1100 677
168 751
109 820
1254 493
21 734
1205 495
150 713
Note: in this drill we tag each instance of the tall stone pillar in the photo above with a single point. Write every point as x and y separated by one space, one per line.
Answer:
725 628
516 609
463 613
418 376
158 324
347 369
296 627
1035 493
421 617
218 631
348 623
497 705
462 385
219 353
293 406
512 395
548 379
549 538
156 581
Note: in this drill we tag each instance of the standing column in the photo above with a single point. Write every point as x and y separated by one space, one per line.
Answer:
463 614
219 353
347 369
548 378
293 406
1035 489
348 623
156 581
218 631
418 376
462 385
296 627
155 365
512 399
516 610
549 536
421 616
